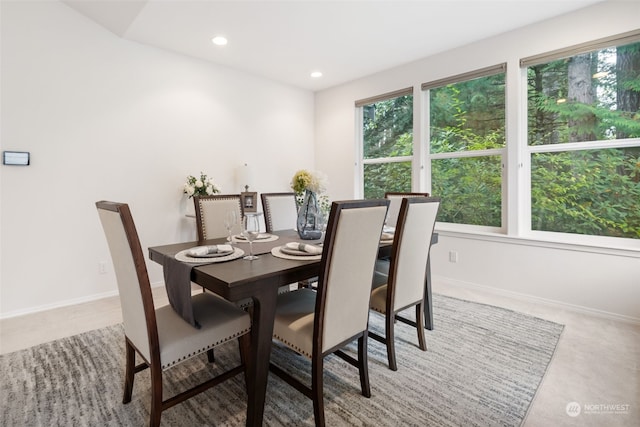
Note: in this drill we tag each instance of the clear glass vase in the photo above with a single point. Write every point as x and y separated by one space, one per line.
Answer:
308 226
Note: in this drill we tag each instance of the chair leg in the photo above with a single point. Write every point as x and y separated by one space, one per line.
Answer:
363 365
210 356
244 342
317 390
156 396
129 374
420 326
390 340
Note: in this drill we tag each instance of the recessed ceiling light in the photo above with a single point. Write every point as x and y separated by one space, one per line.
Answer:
219 40
316 74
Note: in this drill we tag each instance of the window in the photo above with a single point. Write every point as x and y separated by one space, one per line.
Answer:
571 164
467 145
387 143
583 140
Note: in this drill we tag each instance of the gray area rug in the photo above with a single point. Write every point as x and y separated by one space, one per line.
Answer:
482 368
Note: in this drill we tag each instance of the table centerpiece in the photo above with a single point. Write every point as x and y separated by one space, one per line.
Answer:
312 203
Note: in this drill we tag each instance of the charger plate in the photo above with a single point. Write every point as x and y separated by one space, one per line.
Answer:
238 238
182 256
276 252
211 255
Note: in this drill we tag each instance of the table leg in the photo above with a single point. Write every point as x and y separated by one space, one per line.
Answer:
264 305
428 312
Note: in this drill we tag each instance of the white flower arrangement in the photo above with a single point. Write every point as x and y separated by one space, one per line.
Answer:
202 186
305 180
316 182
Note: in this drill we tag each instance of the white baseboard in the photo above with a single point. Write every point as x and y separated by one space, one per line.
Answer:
537 300
65 303
444 280
59 304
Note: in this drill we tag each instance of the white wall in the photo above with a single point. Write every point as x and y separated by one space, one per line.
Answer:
106 118
607 283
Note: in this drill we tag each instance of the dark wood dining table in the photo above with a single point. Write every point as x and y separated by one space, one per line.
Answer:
259 280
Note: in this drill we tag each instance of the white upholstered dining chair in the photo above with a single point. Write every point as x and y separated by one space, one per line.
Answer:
160 337
280 211
395 199
404 286
210 224
211 211
316 324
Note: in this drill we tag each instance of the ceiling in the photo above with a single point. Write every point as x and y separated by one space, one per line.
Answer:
287 40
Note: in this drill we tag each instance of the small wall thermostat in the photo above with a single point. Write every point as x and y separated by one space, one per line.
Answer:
19 158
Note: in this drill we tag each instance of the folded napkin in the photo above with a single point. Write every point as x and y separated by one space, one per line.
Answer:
386 236
310 249
200 251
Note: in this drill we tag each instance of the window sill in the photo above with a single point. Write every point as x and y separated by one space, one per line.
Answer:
626 247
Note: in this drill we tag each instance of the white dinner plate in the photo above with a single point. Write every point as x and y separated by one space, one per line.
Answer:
261 236
214 255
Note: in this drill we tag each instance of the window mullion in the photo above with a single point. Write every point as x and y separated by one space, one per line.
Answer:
473 153
516 194
424 161
380 160
358 167
589 145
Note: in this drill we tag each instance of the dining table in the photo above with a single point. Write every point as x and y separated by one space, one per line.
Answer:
259 280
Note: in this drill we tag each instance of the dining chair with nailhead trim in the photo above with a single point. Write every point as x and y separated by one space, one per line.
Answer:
403 285
210 213
160 337
395 200
318 323
280 211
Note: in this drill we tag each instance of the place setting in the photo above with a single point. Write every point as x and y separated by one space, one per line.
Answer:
298 251
260 238
209 254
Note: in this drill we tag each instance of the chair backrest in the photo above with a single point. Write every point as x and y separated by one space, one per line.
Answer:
395 199
344 285
410 251
136 299
280 211
210 213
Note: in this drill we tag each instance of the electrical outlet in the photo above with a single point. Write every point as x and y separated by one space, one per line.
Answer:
453 256
102 267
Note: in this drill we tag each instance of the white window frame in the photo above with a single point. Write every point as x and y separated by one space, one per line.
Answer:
516 163
501 152
524 188
361 162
